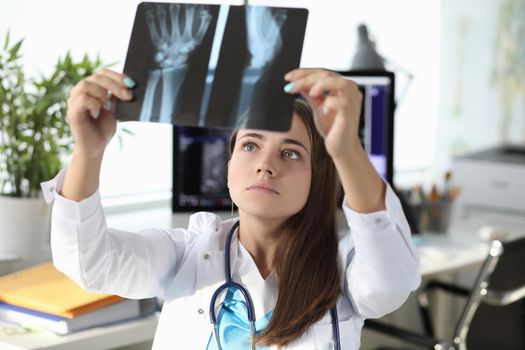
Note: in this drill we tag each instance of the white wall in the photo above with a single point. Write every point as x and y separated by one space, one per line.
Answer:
482 77
406 31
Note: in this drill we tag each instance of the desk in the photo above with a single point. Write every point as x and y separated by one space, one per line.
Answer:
439 253
118 335
445 253
459 249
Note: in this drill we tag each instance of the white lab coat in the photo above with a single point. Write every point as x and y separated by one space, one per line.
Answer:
378 262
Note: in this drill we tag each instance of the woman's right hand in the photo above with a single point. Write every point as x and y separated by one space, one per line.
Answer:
90 114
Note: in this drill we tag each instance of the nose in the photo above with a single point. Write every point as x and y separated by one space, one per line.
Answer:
265 170
266 166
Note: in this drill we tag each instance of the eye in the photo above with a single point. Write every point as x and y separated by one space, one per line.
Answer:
249 146
291 154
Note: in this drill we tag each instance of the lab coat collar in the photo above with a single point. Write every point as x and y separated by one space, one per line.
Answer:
210 267
244 271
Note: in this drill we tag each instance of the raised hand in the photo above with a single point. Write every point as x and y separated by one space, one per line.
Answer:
90 112
337 106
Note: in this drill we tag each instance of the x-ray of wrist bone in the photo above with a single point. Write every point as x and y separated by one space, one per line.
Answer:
213 65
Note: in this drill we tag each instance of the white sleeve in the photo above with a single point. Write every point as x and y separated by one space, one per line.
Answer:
105 260
382 266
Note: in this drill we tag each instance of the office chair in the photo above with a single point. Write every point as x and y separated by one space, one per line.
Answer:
494 313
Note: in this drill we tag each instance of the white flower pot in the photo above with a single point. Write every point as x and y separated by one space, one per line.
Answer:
25 225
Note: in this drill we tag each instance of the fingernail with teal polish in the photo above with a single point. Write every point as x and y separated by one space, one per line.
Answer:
129 82
107 105
289 87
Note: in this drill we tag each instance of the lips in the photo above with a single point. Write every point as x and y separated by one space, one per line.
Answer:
262 188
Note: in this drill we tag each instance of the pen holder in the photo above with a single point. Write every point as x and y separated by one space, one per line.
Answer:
435 216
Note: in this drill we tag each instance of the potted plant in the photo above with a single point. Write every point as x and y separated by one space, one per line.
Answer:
34 139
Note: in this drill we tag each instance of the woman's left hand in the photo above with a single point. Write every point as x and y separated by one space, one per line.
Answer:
336 102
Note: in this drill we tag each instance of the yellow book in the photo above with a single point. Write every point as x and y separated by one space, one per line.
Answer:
43 288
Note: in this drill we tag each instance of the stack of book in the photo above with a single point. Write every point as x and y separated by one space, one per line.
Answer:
43 297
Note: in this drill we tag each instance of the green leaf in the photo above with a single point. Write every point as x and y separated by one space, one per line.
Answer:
6 43
13 52
34 133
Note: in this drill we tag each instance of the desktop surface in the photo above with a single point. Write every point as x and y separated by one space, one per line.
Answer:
113 336
447 252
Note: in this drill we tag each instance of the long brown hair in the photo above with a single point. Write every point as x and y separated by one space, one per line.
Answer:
305 260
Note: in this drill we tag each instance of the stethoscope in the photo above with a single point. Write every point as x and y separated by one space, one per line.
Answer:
230 283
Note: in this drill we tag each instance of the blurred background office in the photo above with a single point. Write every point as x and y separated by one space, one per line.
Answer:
407 32
460 78
462 90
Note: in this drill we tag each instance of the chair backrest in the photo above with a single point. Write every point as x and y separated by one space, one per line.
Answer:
501 326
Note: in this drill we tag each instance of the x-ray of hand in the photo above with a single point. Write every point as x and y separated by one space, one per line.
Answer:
264 34
213 65
177 33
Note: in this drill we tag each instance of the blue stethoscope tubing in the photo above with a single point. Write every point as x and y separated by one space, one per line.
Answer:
230 283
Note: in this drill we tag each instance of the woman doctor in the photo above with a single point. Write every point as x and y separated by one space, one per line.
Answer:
303 285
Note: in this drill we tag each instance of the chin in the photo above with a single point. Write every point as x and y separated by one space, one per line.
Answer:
268 212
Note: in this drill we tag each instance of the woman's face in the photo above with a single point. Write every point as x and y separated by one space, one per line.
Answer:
269 173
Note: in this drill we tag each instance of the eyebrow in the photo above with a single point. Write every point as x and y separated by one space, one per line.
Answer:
285 141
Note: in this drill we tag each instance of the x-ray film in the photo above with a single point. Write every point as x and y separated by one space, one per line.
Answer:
213 65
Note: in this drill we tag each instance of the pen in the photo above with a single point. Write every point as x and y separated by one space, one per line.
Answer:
447 186
434 194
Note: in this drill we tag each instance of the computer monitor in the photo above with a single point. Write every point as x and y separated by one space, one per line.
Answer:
200 162
200 155
376 127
